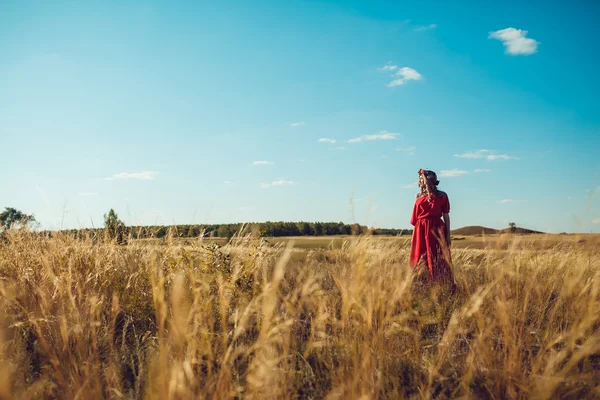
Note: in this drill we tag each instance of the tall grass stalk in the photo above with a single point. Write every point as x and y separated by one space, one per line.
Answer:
87 319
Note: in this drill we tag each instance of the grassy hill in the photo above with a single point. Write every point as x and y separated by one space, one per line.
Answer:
474 230
482 230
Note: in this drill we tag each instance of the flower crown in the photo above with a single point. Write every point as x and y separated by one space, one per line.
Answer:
424 172
429 175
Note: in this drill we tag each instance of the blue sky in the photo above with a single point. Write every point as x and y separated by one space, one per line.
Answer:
212 112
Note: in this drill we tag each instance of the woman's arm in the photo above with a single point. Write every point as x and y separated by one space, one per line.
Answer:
413 218
446 218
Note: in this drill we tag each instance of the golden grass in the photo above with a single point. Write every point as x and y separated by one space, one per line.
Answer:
95 320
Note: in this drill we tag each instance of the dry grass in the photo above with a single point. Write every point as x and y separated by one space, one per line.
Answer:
95 320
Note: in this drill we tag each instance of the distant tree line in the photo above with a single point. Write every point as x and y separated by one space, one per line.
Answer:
115 229
260 229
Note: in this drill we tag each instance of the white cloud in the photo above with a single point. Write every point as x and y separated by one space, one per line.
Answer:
425 28
452 173
340 148
411 185
493 157
487 154
227 182
144 176
515 41
262 163
406 74
296 124
87 194
483 170
382 135
281 182
508 201
326 140
408 150
596 221
476 154
387 68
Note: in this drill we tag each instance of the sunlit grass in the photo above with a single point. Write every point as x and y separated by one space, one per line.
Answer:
87 319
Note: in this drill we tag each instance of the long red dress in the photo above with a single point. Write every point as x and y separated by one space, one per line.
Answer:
429 245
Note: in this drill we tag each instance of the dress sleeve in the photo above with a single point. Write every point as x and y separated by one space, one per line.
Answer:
446 205
413 218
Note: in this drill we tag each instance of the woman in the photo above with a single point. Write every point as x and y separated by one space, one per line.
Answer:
430 245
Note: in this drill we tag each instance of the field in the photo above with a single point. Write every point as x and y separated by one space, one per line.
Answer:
297 318
539 242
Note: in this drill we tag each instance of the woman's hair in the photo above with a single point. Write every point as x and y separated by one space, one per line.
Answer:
429 183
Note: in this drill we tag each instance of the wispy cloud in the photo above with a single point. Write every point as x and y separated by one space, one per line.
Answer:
87 194
515 41
381 135
387 68
425 28
508 201
143 176
281 182
227 182
482 170
596 221
487 154
408 150
411 185
44 196
262 163
452 173
475 154
296 124
340 148
405 74
326 140
493 157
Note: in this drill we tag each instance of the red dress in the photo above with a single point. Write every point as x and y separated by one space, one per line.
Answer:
429 245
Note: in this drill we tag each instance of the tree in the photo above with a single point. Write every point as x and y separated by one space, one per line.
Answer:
512 226
266 229
224 231
193 231
305 229
318 229
114 228
11 217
